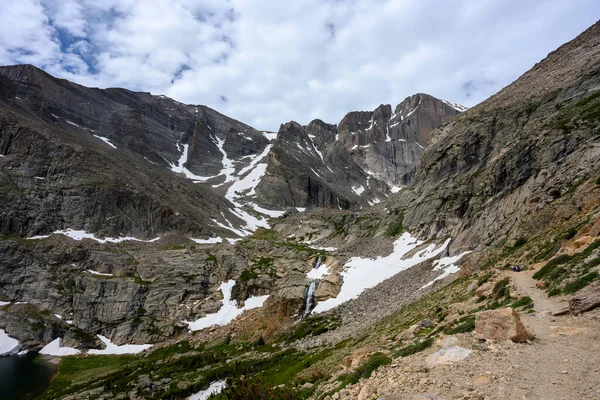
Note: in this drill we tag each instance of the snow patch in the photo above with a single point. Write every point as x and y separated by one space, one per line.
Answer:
363 273
395 189
270 135
228 168
208 241
318 273
72 123
54 349
214 388
358 189
105 140
447 265
270 213
80 235
229 309
388 138
8 345
180 169
123 349
98 273
456 106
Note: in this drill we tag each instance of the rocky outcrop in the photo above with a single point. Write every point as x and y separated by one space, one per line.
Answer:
66 163
363 159
501 170
585 301
137 292
500 325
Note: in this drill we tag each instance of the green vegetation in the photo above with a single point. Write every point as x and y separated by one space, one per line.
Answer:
395 227
248 274
571 269
551 265
314 326
519 242
265 234
463 325
580 283
586 111
524 302
365 370
598 181
190 370
414 348
501 289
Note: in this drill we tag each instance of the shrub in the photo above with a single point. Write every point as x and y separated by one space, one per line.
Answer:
520 242
414 348
365 370
395 227
374 362
248 274
465 324
554 292
501 289
571 233
551 265
525 302
580 283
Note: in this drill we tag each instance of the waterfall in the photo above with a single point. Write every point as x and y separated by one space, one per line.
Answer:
311 290
309 296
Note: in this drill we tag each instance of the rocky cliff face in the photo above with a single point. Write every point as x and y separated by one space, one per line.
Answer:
118 162
518 163
111 161
360 161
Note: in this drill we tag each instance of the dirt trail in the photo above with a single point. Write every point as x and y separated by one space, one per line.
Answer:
525 285
562 362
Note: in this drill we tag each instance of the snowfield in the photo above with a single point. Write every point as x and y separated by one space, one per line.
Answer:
8 345
214 388
80 235
447 265
123 349
54 349
363 273
228 311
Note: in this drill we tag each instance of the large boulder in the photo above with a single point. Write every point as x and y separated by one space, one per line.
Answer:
448 355
485 290
585 301
500 325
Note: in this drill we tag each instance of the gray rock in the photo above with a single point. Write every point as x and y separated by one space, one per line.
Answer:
585 301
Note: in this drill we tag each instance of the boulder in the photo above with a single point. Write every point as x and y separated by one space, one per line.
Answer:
448 355
485 290
500 325
426 323
367 392
409 333
585 301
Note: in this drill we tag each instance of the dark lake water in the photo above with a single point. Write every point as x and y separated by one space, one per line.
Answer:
24 377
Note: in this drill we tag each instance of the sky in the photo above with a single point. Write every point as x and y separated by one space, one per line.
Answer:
271 61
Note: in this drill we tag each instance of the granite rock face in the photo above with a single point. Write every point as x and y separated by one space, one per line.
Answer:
508 167
102 160
360 161
113 161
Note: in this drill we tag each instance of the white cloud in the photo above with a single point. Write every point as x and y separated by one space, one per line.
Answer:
275 61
